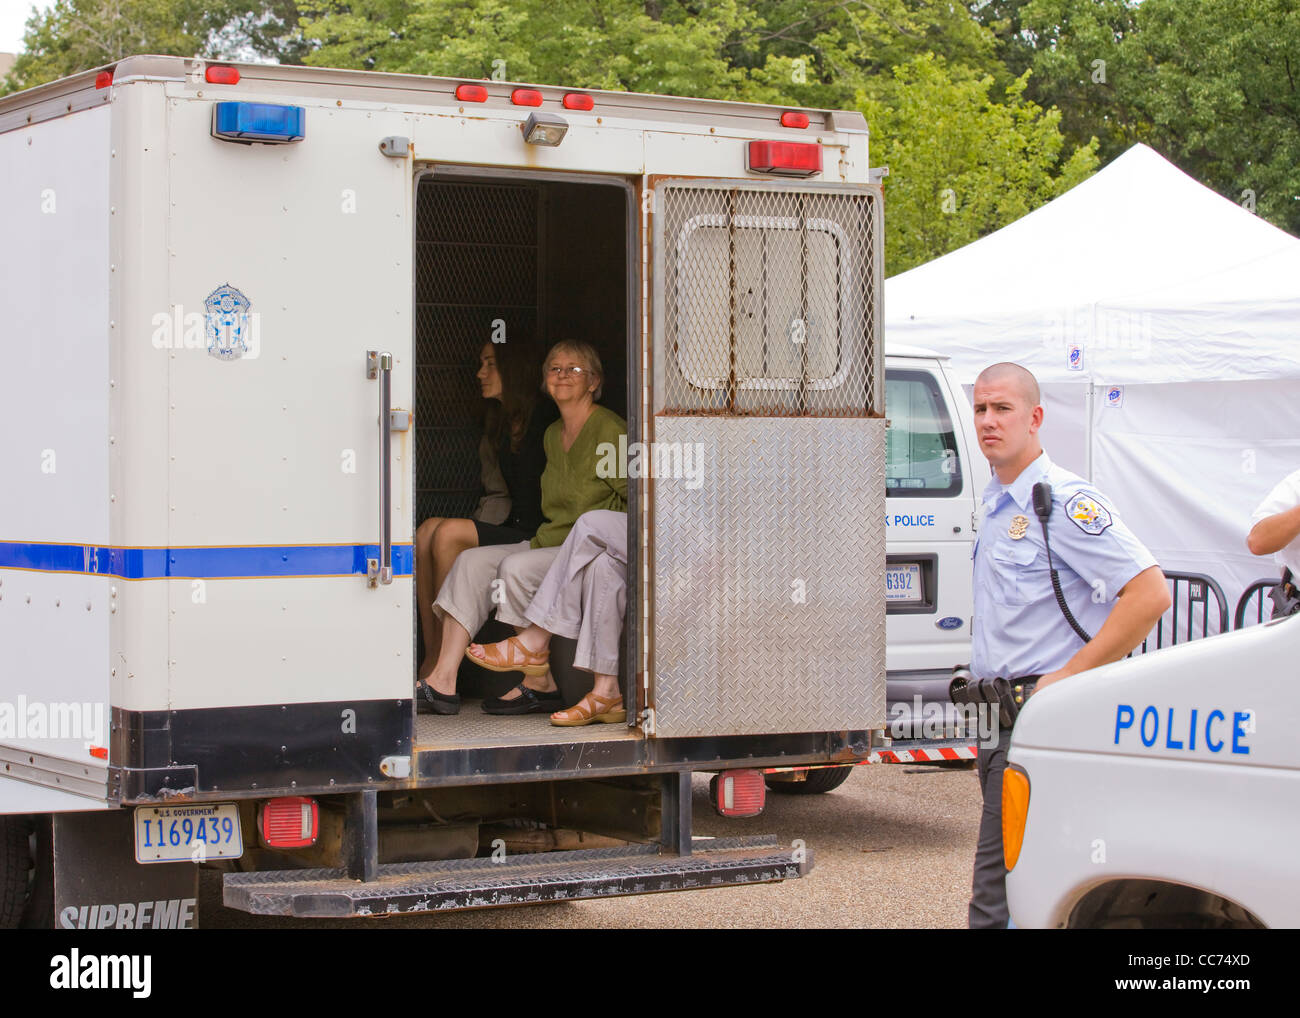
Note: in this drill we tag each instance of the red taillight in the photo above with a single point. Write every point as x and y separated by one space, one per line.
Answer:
99 752
103 79
526 97
738 793
471 93
222 75
291 822
785 158
792 119
577 101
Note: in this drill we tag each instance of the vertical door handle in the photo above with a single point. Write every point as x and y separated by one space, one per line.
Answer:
380 570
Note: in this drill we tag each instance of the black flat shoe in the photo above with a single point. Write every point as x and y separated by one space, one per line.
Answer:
429 701
529 701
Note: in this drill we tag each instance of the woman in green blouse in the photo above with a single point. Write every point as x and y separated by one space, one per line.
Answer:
571 486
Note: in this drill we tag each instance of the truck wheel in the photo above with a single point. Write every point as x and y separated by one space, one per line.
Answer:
819 780
17 869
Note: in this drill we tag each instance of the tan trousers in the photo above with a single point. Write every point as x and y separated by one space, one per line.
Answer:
503 577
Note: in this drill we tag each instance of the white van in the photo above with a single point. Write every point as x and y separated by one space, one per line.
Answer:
241 306
1158 791
934 474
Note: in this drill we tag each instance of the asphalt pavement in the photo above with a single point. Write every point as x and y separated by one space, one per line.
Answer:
893 848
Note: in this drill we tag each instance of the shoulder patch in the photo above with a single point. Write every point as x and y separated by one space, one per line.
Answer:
1088 513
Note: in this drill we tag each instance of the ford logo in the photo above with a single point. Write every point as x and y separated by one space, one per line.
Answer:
951 622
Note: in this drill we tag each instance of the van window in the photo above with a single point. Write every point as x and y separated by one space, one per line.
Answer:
921 459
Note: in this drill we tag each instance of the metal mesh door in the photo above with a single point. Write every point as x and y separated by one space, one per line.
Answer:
769 561
769 301
476 264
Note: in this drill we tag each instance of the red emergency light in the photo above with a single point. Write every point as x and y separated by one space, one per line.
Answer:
793 118
738 793
577 101
526 97
103 79
784 158
290 822
222 75
471 93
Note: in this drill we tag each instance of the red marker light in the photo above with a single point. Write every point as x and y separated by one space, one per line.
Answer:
222 75
291 822
99 752
784 158
471 93
526 97
103 79
738 793
792 119
577 101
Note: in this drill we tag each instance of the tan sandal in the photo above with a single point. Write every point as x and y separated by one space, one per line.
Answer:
591 708
519 659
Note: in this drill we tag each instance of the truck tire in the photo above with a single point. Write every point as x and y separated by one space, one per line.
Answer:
819 780
17 871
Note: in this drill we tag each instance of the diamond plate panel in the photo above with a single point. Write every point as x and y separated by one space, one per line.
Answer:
769 607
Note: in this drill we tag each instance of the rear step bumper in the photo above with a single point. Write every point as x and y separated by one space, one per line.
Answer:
517 880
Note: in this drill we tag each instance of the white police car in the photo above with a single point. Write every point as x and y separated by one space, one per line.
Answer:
1160 791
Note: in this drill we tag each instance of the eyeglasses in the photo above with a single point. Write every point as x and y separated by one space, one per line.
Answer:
558 371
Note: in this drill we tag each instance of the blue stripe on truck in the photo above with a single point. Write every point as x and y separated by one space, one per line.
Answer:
207 563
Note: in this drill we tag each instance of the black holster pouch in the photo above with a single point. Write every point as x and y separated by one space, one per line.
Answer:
1008 694
1285 596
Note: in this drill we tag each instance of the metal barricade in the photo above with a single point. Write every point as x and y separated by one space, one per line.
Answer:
1256 592
1191 593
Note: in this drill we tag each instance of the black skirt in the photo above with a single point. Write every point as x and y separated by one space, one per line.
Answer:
491 533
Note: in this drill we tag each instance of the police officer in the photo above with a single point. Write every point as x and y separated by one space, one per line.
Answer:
1276 532
1111 585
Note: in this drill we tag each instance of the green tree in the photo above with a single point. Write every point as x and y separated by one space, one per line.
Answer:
1216 86
1075 50
960 164
802 52
76 35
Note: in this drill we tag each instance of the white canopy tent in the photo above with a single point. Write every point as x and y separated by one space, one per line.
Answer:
1163 322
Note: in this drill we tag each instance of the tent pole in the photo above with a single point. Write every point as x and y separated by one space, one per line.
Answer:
1089 407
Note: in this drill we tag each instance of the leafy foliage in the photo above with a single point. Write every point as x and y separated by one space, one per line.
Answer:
962 164
982 110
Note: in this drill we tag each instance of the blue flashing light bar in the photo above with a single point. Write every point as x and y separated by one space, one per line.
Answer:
264 122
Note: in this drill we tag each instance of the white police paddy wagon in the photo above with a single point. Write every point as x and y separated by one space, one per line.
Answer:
242 305
1158 791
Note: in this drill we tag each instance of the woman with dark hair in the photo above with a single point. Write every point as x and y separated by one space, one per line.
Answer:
513 459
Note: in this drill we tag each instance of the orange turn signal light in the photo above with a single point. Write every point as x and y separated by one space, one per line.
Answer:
1015 811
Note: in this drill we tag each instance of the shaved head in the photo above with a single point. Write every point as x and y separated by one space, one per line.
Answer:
1008 415
1007 373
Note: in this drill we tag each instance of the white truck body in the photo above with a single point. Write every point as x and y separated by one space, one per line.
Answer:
1160 789
204 483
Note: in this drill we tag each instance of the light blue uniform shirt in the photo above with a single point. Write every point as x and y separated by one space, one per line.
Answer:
1018 627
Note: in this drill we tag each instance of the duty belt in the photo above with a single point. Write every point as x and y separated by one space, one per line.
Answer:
1009 694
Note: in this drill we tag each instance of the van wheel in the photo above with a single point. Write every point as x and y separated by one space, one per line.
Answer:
17 869
819 780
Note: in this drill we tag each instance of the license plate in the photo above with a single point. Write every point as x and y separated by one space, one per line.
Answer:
195 833
903 583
